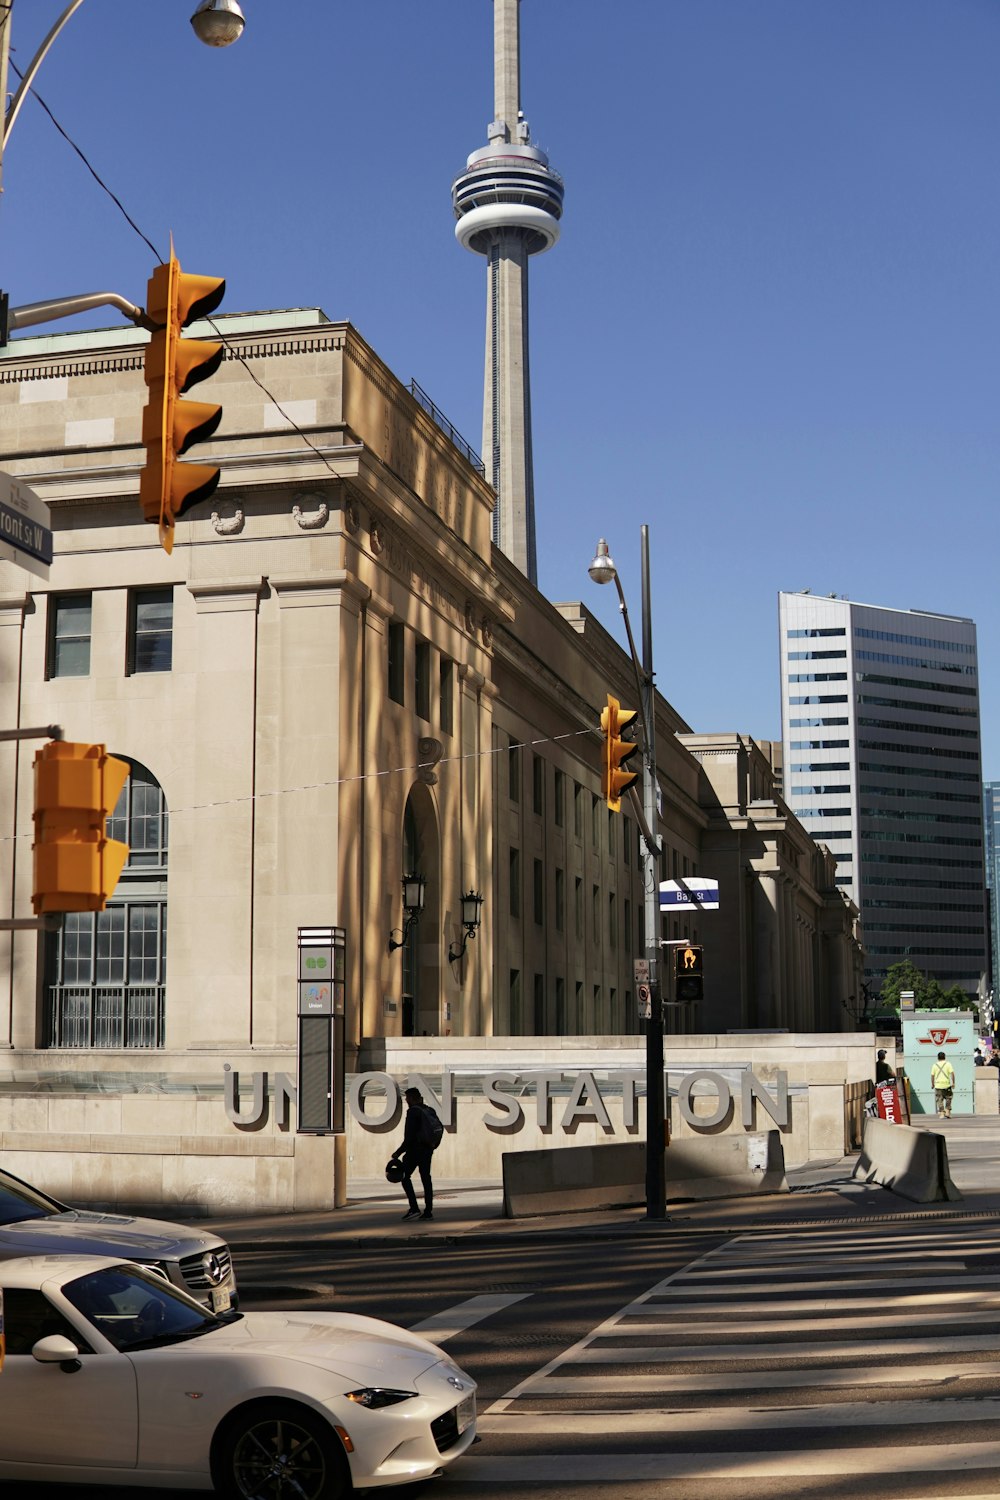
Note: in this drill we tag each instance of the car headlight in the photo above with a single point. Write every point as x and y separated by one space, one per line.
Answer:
374 1396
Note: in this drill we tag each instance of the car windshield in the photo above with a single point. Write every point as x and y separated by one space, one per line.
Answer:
18 1201
137 1309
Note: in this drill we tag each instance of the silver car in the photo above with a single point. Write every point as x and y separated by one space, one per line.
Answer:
32 1223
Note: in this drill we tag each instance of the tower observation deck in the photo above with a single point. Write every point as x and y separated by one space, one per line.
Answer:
508 203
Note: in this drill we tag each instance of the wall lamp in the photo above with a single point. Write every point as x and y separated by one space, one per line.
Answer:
471 903
413 905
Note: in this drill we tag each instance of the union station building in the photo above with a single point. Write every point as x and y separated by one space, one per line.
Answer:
335 681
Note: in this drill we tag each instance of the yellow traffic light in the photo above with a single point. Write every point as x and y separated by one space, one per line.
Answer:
615 752
76 866
689 973
171 426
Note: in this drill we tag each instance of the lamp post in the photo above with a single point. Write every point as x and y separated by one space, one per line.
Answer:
215 22
603 570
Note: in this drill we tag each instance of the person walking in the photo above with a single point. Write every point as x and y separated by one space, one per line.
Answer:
421 1131
943 1084
883 1072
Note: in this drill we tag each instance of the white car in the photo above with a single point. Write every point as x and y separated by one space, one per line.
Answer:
113 1376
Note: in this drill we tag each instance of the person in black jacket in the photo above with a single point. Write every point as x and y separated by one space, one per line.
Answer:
416 1152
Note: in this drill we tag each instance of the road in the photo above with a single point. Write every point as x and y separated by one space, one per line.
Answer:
826 1361
820 1362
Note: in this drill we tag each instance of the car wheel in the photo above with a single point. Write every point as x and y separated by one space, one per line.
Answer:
276 1450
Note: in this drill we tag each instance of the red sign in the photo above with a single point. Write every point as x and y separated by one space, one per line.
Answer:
887 1100
938 1036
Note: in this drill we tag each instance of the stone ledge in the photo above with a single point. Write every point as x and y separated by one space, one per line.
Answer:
236 1144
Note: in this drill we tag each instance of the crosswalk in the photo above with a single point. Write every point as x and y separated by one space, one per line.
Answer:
808 1356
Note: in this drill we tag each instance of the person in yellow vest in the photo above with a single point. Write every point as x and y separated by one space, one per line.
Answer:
943 1084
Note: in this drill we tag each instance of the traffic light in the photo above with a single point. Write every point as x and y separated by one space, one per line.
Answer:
76 866
689 973
171 426
615 752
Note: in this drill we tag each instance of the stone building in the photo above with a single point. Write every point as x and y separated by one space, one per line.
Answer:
334 681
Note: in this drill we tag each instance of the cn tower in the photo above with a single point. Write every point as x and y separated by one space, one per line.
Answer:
508 203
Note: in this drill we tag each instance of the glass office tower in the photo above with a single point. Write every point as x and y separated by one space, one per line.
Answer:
882 763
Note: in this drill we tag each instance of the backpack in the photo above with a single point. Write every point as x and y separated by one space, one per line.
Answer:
431 1128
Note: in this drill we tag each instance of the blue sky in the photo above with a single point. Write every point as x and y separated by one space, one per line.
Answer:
771 328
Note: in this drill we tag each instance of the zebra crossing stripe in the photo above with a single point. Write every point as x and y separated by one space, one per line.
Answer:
733 1420
621 1468
444 1325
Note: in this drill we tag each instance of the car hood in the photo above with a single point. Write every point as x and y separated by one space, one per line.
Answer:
76 1232
362 1349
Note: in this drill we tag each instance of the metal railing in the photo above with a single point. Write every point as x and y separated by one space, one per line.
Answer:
106 1016
438 416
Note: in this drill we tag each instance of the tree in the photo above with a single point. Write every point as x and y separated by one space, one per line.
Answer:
928 993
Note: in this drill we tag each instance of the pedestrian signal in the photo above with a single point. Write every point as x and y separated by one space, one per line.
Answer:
689 973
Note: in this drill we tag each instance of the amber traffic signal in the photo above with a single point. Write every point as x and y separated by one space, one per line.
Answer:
615 752
689 973
171 426
76 866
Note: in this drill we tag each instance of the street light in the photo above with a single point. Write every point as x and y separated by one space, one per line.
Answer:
216 22
603 570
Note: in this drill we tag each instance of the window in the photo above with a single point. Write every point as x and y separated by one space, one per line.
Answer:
151 630
560 900
446 701
422 680
537 784
578 907
514 1002
612 921
560 1007
595 913
396 649
540 1027
514 882
559 798
69 635
595 821
538 891
627 926
627 840
105 972
578 809
514 770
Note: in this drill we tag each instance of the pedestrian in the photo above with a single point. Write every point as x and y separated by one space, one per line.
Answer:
943 1084
978 1058
419 1130
883 1072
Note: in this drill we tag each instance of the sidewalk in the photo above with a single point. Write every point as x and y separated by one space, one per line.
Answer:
820 1193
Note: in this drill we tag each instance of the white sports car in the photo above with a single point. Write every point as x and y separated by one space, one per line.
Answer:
113 1376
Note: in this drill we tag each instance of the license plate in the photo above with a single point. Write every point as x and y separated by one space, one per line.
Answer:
222 1299
465 1414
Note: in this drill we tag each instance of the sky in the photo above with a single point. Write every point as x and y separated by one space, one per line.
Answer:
770 330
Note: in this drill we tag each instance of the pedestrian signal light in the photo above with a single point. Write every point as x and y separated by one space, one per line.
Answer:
76 865
170 426
689 973
616 750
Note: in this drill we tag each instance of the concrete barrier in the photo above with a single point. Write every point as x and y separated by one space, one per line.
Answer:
726 1166
578 1178
912 1163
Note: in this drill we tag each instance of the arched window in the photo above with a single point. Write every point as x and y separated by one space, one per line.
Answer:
105 972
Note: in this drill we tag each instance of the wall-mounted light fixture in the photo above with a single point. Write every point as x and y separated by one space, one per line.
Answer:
471 902
413 905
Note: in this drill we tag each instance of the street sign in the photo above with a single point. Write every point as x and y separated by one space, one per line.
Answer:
25 527
691 891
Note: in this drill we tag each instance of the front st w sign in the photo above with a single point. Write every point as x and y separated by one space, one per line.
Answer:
25 527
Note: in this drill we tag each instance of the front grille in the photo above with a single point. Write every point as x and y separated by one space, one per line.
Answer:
207 1269
444 1430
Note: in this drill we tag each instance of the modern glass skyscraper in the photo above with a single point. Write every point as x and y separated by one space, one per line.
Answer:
882 763
991 825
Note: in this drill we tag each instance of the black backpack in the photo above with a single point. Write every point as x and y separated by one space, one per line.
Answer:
431 1128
